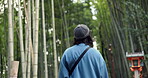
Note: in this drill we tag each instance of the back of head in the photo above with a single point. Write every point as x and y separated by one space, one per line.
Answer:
82 35
81 31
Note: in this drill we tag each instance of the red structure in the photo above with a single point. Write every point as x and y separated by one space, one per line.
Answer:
135 63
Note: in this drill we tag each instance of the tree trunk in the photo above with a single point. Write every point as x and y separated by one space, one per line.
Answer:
131 42
10 37
65 26
21 42
44 40
35 63
26 36
54 43
33 20
29 40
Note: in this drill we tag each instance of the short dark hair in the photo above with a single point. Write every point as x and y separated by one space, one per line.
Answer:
87 41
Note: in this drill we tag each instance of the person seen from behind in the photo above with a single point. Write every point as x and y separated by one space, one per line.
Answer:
90 64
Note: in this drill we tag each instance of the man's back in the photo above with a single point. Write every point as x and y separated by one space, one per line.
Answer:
91 65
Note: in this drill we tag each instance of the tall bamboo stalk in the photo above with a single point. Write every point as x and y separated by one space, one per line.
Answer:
10 32
10 36
21 42
29 40
131 42
33 20
44 40
26 35
35 64
54 42
65 27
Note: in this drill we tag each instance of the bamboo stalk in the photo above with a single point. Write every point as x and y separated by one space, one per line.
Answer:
35 63
44 40
21 42
29 40
33 20
54 43
26 35
10 36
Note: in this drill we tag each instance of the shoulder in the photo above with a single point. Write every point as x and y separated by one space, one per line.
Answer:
94 51
68 52
95 54
69 49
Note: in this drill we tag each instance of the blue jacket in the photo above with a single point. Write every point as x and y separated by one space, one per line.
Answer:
92 64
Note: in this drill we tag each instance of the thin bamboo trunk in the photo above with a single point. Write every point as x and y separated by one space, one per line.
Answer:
10 36
64 21
61 29
35 63
139 38
33 24
33 20
21 42
66 29
127 39
29 40
10 39
26 36
44 40
29 62
26 47
131 42
54 43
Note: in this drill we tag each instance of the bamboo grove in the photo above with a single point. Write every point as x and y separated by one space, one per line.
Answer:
36 32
